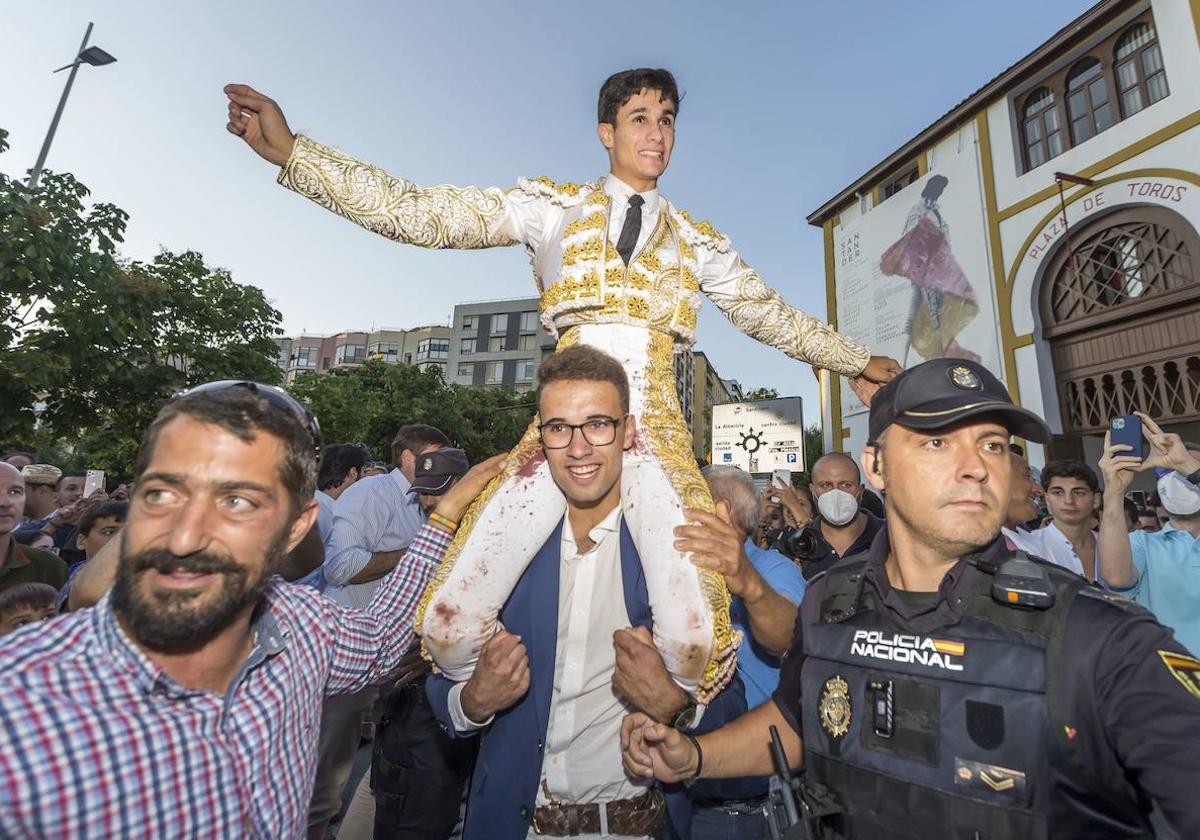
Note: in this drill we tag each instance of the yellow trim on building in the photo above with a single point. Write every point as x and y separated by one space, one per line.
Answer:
1132 150
923 158
1195 7
835 381
1011 278
996 247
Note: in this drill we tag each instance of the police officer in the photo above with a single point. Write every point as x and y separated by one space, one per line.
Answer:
943 685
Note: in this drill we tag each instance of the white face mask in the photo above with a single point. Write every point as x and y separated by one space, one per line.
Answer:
837 507
1179 496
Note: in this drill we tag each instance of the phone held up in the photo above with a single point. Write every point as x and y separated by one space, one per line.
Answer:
93 482
1127 431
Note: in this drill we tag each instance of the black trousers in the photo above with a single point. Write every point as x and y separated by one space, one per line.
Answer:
417 771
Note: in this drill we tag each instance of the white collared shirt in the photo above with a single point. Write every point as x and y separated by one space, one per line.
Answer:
582 759
620 193
1052 545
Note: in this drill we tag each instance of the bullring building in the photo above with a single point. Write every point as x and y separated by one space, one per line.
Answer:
1045 226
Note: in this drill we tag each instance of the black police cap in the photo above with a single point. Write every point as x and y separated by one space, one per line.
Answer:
437 469
942 392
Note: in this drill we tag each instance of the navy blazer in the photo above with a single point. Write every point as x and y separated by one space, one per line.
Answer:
508 769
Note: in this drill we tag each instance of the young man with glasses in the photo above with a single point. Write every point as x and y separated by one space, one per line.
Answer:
622 269
187 703
576 651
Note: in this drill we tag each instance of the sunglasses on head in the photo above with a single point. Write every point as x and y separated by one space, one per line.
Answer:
275 396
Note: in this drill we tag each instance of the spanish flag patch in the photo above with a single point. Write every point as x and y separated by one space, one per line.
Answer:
1184 668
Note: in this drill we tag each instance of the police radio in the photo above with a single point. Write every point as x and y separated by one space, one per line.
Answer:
1019 582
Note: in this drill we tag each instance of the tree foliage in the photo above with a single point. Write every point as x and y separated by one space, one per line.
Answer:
762 394
368 403
91 344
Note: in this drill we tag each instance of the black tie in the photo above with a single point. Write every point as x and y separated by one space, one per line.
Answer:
631 228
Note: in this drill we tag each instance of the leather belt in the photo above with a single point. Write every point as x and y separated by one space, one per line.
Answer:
637 817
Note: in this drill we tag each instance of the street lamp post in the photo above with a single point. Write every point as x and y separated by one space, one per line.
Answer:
87 55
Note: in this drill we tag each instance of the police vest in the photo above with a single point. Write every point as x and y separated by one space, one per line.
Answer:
944 733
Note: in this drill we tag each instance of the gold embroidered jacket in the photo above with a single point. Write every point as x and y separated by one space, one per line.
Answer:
579 274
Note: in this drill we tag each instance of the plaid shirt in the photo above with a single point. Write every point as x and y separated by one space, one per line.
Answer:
96 741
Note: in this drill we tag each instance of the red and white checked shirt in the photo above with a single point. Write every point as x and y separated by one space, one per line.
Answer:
97 742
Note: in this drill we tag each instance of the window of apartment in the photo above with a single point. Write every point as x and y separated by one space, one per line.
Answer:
347 353
467 347
1043 134
494 374
529 322
496 344
527 342
433 348
898 182
467 369
1088 103
1141 77
386 350
525 370
469 323
408 358
500 323
1115 78
306 357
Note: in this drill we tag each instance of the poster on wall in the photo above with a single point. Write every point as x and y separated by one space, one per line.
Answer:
912 275
759 436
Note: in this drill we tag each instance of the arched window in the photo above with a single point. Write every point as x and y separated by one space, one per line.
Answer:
1043 132
1141 76
1133 254
1088 105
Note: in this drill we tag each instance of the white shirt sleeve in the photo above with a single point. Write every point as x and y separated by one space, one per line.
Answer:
458 717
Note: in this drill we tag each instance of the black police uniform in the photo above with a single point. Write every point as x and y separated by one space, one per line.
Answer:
952 714
418 772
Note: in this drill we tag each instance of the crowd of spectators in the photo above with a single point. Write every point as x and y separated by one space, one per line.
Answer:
370 546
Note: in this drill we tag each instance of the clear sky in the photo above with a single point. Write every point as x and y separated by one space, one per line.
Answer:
785 103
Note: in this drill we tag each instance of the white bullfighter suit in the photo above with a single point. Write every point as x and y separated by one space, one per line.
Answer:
640 313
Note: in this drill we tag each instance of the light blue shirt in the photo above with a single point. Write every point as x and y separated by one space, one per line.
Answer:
373 514
759 670
325 503
1168 584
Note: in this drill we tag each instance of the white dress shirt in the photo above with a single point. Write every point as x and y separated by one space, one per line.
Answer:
582 762
1052 545
373 514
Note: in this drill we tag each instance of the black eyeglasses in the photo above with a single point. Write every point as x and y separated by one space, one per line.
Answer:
598 431
275 396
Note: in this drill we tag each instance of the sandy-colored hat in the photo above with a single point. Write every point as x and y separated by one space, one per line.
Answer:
41 474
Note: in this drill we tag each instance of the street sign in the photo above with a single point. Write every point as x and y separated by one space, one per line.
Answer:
759 435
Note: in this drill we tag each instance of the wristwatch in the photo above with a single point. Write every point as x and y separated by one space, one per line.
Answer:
685 718
1194 478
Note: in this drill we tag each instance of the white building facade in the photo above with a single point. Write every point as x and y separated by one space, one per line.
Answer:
958 244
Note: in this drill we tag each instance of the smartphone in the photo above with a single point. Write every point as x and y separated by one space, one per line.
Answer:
1127 431
781 478
93 482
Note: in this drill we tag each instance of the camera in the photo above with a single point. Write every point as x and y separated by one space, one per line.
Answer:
800 544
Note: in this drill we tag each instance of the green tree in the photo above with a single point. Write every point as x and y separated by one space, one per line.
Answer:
368 403
90 344
762 394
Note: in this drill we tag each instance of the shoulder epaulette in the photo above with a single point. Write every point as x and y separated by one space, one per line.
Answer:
699 233
1095 593
563 194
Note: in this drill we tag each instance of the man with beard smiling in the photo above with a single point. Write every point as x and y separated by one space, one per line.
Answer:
942 684
186 703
